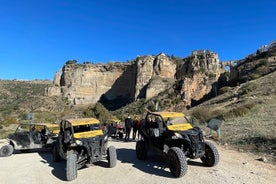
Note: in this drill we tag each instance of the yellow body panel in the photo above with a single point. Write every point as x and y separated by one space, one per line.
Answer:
169 114
83 121
180 127
88 134
54 128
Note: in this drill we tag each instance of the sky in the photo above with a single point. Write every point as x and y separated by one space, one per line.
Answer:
38 37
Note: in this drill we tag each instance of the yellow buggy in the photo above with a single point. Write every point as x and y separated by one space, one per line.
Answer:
82 142
171 135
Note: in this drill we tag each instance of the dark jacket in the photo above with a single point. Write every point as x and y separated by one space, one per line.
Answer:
135 124
128 123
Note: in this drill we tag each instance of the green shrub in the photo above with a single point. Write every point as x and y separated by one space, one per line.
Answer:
98 111
239 111
255 76
202 114
68 62
248 87
224 89
7 120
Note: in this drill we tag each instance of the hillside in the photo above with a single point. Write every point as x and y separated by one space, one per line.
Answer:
19 98
249 114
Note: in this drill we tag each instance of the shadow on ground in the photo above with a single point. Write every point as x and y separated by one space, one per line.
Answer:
155 164
58 167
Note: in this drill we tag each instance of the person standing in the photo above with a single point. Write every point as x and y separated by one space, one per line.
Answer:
128 126
135 128
139 126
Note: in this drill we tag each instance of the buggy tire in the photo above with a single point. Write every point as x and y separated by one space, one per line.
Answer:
111 156
71 165
6 150
177 162
141 150
211 156
56 156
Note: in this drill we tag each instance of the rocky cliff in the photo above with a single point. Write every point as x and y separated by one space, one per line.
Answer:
143 78
86 83
154 75
198 74
254 65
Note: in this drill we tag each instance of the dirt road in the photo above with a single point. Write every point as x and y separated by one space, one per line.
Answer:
37 167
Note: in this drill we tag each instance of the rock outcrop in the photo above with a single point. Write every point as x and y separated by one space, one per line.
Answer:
199 74
254 65
86 83
154 75
143 78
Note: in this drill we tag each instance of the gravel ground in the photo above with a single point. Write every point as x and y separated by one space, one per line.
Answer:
38 167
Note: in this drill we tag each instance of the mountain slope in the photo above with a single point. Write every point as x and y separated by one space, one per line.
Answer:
249 114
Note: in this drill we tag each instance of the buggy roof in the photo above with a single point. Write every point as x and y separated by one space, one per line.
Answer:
169 114
49 125
83 121
113 120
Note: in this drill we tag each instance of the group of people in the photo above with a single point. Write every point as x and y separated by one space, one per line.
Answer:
133 125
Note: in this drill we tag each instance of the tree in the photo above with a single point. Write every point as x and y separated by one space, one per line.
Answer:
71 62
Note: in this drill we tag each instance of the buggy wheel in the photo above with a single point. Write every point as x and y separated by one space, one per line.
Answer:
141 150
177 162
71 165
56 156
111 156
6 150
211 156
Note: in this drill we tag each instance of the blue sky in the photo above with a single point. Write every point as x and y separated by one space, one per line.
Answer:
38 37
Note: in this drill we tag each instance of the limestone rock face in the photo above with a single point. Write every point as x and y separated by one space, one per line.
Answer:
195 88
53 91
203 61
199 72
56 80
158 85
143 78
86 83
154 74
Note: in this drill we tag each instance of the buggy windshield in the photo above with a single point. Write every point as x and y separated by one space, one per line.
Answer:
178 124
86 128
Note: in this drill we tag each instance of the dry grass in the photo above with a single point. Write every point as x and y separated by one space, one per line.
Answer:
249 114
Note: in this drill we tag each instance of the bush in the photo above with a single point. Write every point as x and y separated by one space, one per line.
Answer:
239 111
7 120
255 76
98 111
224 89
202 114
71 62
249 87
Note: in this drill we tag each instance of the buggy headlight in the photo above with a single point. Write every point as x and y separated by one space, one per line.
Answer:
177 136
78 142
105 138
